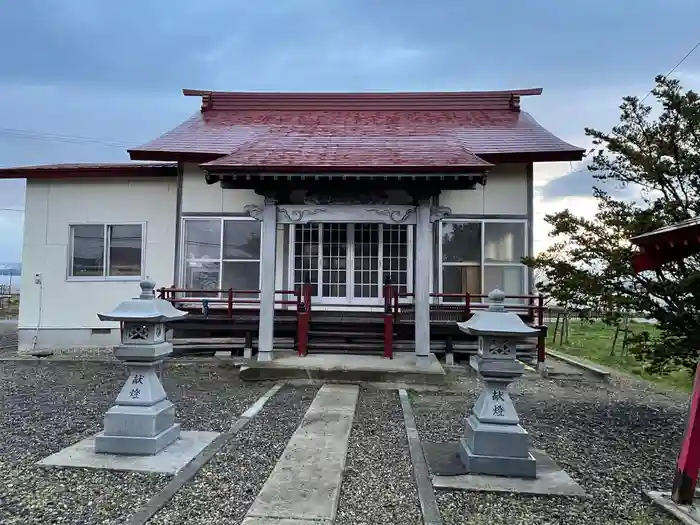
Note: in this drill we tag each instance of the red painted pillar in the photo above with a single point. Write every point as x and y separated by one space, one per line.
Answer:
689 458
302 331
388 320
303 319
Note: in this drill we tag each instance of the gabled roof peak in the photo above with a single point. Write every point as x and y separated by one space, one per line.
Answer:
361 101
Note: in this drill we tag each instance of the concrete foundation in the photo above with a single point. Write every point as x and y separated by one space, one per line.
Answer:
685 514
449 472
170 460
66 338
347 368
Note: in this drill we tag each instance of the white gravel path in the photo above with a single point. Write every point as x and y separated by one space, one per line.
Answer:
378 487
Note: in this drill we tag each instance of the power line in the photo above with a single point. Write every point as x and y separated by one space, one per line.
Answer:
687 55
56 137
11 209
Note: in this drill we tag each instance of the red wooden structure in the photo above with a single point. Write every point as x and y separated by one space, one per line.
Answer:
668 244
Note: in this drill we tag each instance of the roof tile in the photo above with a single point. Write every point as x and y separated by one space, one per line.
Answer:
367 129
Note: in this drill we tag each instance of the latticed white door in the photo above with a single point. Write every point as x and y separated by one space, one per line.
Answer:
348 263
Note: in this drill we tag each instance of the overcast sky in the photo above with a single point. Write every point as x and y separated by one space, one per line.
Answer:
82 80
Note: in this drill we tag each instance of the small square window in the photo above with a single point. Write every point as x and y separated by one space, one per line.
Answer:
106 250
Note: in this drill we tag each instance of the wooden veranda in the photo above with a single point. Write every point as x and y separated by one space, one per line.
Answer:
228 320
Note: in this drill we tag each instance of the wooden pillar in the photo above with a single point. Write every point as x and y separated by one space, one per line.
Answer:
423 272
267 284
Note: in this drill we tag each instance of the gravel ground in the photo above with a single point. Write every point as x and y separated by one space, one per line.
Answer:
378 486
46 406
225 488
616 440
8 340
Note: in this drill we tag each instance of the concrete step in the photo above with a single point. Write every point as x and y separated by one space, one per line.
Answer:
346 368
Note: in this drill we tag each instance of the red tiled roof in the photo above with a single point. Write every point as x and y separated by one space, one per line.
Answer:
330 147
89 169
355 130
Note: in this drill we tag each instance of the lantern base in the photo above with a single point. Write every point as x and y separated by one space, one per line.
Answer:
497 465
137 421
489 439
136 446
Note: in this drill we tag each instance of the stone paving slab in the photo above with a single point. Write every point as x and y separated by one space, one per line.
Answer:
686 514
450 473
170 460
304 486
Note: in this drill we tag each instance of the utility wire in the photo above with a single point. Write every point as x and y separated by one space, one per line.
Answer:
14 133
687 55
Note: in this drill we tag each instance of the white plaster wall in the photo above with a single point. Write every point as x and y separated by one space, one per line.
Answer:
505 193
200 197
51 207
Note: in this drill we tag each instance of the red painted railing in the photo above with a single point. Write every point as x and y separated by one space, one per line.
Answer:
533 307
231 297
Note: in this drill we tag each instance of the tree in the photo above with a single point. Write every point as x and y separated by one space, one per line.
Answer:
589 264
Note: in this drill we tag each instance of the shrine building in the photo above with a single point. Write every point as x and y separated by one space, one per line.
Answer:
264 205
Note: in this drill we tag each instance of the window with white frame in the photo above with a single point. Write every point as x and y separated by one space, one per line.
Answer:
480 255
221 254
106 251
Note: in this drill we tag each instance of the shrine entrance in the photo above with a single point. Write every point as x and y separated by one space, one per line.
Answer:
347 263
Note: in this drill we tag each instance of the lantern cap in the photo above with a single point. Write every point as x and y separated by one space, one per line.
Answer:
496 321
146 308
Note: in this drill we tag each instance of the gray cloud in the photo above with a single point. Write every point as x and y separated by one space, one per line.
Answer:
580 183
315 44
111 71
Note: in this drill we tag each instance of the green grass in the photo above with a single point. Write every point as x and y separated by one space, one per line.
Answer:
593 341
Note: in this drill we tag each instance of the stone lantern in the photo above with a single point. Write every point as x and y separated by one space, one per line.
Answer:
494 443
142 420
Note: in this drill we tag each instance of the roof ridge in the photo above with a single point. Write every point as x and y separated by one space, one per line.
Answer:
361 101
522 92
